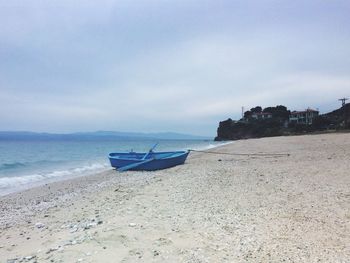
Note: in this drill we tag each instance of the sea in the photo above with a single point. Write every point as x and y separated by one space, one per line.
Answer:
28 163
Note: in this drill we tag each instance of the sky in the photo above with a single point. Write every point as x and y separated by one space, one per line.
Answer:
153 66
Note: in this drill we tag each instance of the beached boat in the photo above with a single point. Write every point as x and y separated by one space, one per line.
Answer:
149 161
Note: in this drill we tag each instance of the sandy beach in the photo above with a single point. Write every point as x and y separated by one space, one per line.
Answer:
215 208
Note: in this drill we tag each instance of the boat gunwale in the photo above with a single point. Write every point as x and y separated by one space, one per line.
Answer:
178 154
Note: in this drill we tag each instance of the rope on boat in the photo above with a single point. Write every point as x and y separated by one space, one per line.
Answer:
244 154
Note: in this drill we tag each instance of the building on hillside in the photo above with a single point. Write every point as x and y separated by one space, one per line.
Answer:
303 117
261 115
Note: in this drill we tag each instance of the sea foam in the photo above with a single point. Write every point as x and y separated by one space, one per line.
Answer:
9 184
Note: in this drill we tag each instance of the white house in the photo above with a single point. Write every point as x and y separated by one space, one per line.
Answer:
303 117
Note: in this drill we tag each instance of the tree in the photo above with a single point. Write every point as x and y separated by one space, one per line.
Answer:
247 114
279 112
257 109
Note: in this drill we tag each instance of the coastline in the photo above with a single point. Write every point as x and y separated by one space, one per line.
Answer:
213 208
28 177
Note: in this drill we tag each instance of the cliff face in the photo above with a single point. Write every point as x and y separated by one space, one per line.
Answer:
232 130
278 125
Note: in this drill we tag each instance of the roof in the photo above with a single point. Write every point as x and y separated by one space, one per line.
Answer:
262 113
307 110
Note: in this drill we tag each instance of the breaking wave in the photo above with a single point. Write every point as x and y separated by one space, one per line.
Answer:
10 184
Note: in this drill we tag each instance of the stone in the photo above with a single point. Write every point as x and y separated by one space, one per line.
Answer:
39 225
51 250
74 229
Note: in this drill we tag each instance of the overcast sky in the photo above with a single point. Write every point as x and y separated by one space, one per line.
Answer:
182 66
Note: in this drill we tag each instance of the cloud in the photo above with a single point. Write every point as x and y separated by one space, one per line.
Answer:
157 66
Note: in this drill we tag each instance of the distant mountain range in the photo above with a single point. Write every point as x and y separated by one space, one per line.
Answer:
26 135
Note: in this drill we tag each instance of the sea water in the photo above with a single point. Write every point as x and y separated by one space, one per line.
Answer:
28 163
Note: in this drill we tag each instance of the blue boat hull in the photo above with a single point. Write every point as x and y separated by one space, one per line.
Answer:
154 160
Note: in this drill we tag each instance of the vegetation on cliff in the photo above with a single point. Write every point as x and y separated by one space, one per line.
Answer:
274 121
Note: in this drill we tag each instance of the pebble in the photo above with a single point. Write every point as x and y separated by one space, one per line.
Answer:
132 224
51 250
39 225
89 225
60 249
29 257
73 230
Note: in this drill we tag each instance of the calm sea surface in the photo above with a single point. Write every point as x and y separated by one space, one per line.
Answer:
27 163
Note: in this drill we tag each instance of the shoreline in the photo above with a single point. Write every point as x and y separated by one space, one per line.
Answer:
71 175
213 208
